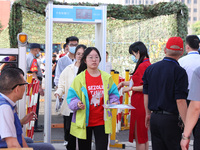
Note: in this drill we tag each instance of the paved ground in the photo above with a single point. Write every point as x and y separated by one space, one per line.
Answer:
58 134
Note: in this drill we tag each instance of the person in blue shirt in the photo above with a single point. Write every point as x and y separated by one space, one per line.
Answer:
68 59
12 88
165 91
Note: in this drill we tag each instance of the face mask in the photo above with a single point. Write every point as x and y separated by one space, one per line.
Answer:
134 59
37 55
72 49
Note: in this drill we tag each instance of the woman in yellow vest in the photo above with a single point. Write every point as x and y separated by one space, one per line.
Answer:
90 90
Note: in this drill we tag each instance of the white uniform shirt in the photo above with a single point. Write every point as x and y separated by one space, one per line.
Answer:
190 62
7 126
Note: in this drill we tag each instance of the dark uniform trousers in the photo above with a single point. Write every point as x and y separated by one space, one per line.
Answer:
165 132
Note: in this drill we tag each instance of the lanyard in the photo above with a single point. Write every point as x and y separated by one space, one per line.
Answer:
167 59
146 60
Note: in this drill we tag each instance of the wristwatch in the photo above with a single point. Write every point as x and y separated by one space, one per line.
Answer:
184 137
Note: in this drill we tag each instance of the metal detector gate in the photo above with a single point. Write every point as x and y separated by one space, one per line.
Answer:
70 14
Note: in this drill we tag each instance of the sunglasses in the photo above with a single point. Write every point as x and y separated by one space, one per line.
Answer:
19 85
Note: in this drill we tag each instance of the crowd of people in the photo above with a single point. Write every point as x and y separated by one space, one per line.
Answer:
165 95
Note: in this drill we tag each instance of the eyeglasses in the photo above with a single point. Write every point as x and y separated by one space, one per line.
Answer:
19 85
91 58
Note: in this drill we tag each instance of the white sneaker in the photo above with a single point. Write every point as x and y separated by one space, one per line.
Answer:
65 143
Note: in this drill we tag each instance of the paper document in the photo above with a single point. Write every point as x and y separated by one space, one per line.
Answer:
120 106
131 83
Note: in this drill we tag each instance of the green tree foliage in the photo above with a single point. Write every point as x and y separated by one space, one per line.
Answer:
1 27
128 12
196 28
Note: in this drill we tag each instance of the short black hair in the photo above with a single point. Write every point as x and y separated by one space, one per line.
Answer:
9 78
71 38
193 41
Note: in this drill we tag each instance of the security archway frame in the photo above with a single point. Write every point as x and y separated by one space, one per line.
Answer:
70 14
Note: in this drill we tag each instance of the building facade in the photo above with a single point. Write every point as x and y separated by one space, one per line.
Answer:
5 6
140 2
193 5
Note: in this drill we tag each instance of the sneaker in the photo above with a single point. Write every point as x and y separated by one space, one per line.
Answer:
65 143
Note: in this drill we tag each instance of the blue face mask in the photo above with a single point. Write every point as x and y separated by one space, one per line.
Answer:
37 55
134 59
72 49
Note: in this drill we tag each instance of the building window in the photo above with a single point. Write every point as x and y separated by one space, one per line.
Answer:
171 0
151 2
195 1
183 1
127 1
132 1
189 19
189 9
188 1
195 10
146 2
139 1
194 18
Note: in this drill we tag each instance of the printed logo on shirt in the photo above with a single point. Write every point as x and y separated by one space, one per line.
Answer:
34 67
97 94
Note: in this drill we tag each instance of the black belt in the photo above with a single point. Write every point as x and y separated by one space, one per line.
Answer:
163 112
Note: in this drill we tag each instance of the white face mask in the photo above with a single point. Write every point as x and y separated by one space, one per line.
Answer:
72 49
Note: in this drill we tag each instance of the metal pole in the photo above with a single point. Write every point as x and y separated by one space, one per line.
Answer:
104 25
126 101
100 37
22 65
111 44
48 70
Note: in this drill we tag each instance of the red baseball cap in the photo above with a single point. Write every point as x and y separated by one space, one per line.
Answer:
175 41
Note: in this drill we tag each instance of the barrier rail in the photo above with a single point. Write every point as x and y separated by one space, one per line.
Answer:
31 98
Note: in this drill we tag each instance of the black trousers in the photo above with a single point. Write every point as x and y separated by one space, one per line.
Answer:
165 132
67 136
196 134
101 139
67 124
